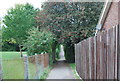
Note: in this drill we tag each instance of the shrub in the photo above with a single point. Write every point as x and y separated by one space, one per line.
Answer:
38 41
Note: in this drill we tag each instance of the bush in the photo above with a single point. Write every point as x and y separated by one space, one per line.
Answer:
8 47
38 41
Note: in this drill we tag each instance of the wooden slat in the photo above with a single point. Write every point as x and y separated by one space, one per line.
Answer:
87 58
79 58
90 58
115 51
112 52
98 57
85 62
80 47
101 54
108 54
104 54
82 54
118 53
76 57
95 60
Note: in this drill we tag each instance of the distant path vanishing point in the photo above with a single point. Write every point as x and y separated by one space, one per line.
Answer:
61 70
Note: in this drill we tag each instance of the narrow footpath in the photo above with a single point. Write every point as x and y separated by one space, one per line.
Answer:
61 70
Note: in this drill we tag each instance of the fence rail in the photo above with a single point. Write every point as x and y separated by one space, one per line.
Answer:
98 57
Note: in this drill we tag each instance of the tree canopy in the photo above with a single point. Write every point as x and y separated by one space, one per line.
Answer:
38 41
70 21
18 20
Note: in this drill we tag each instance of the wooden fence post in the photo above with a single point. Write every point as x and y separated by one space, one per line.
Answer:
1 75
95 60
42 64
118 51
26 67
90 58
37 66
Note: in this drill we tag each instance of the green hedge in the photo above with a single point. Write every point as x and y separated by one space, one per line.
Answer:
69 52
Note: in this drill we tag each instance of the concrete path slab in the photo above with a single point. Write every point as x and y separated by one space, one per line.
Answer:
61 71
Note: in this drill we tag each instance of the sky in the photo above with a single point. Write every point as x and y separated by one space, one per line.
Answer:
6 4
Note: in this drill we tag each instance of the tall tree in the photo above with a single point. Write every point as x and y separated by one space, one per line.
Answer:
71 22
18 20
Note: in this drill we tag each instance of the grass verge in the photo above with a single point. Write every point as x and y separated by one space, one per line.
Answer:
13 66
72 65
46 72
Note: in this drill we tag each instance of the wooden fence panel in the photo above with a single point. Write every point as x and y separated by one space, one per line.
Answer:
99 56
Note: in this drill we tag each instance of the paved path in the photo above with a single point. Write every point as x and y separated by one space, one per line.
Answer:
61 70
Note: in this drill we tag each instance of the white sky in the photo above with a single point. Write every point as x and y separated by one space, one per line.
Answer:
6 4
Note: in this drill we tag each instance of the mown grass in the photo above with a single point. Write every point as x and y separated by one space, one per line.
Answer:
13 66
11 55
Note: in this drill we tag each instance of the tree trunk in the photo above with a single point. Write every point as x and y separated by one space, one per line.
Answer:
54 51
20 51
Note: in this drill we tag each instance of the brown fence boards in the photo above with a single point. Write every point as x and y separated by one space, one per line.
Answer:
118 53
104 54
98 57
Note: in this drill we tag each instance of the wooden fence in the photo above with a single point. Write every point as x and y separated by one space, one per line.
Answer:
98 57
41 61
32 67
